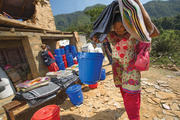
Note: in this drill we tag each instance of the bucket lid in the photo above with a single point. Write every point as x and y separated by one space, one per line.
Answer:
46 112
73 88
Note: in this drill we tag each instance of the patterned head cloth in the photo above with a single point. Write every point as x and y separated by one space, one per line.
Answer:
133 21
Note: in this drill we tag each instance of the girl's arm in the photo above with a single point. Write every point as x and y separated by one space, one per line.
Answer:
106 46
95 39
51 55
108 52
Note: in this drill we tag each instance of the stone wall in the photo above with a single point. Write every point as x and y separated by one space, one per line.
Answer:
32 49
43 16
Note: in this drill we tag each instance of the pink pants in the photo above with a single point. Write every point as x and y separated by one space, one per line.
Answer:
132 104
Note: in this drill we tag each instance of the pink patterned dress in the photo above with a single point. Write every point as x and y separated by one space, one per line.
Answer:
123 55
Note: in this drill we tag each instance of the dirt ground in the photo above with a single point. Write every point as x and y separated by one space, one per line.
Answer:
106 103
160 99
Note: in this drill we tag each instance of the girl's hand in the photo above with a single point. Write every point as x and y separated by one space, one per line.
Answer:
149 49
137 1
95 39
127 35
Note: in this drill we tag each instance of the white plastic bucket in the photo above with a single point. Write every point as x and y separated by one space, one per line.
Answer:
5 81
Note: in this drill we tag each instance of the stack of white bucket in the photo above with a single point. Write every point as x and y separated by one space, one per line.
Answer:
6 84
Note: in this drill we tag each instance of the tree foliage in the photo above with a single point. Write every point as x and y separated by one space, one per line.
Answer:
160 8
94 12
168 22
167 47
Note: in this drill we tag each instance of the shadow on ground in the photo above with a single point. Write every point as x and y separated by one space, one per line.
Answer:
109 73
106 65
103 115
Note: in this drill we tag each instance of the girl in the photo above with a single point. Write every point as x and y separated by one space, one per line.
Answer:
126 77
48 59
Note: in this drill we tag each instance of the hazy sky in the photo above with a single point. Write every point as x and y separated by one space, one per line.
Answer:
68 6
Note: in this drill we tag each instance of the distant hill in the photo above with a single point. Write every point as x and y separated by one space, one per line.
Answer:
63 21
94 6
156 9
159 8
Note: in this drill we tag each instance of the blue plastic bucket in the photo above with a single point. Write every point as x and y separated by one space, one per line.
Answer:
75 94
103 74
73 50
90 65
62 51
67 48
58 59
57 52
61 66
69 59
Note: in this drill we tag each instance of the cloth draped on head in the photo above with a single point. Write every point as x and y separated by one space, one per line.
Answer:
131 16
102 25
133 21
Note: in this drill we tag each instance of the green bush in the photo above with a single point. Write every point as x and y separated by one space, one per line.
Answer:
167 47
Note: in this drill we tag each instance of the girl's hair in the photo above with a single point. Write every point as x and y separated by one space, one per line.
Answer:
43 46
117 18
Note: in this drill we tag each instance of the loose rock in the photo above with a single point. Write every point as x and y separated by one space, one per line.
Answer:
164 95
144 79
161 82
169 113
177 73
175 107
157 100
150 90
155 118
157 87
117 105
147 83
166 90
146 115
175 118
170 76
151 101
98 95
165 106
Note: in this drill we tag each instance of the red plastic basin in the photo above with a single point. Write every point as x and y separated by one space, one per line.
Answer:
50 112
93 86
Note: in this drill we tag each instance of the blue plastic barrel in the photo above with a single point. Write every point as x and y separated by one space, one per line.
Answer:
58 59
73 50
57 52
61 66
75 94
69 59
62 51
90 65
103 74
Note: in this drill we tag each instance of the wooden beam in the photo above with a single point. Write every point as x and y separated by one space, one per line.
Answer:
31 54
1 5
16 23
56 37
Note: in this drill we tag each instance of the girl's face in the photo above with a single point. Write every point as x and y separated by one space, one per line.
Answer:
119 28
